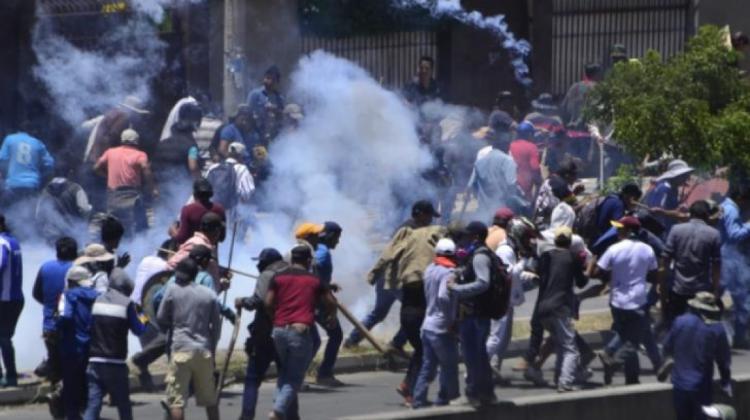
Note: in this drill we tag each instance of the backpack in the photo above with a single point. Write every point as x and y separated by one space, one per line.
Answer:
498 294
223 178
587 222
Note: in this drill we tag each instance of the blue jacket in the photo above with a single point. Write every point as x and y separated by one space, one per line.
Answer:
325 263
74 322
734 231
695 346
11 269
49 285
27 161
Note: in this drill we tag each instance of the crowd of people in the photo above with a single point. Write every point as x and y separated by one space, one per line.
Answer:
458 283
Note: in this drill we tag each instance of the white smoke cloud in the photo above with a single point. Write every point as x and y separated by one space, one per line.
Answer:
518 49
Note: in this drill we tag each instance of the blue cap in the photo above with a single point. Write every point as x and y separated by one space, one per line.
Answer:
525 130
330 228
269 255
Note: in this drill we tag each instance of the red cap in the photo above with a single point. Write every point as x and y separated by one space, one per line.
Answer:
504 214
630 222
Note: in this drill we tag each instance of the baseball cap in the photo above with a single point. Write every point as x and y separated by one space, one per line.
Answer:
476 228
129 136
307 229
202 186
237 148
630 222
79 275
200 252
301 252
186 270
504 214
268 254
445 246
424 207
330 228
563 232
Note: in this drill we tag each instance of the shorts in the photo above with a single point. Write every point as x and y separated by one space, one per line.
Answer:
197 366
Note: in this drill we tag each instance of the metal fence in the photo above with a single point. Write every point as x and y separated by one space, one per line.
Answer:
585 30
391 58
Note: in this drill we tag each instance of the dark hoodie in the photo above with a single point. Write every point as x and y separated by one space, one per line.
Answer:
74 322
58 209
171 157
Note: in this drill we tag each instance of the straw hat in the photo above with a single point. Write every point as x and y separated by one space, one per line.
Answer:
134 104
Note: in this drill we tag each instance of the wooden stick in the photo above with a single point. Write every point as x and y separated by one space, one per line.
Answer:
232 270
232 342
358 325
231 255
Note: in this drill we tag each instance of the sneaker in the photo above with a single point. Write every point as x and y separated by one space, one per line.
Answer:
273 416
9 381
534 376
392 350
665 370
329 381
583 374
403 389
521 365
408 400
609 369
563 388
466 401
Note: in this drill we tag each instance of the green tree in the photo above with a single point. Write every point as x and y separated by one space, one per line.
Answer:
694 105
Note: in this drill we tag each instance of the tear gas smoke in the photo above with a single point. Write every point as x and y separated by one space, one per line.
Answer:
519 49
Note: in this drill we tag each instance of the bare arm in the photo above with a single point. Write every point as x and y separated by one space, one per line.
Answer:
270 302
101 169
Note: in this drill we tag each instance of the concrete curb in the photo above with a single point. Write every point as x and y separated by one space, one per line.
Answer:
345 364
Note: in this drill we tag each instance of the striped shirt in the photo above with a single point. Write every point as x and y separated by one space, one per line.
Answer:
244 179
11 269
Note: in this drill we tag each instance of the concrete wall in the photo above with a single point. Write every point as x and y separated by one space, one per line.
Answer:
648 401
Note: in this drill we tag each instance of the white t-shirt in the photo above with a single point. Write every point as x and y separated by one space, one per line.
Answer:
629 262
147 268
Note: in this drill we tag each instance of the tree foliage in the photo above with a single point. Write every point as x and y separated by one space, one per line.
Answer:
695 105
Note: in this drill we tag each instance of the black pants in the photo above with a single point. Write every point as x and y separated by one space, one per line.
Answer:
154 344
412 325
54 367
9 314
677 305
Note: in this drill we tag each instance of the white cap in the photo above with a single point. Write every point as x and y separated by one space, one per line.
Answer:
129 136
445 246
80 275
237 148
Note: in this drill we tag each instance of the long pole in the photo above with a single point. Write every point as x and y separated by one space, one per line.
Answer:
231 270
232 342
358 325
231 255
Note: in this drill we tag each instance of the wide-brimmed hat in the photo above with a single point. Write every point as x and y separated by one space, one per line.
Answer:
94 253
705 302
79 275
545 102
675 168
720 411
294 112
134 104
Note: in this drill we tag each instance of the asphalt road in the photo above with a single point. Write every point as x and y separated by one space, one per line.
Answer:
365 393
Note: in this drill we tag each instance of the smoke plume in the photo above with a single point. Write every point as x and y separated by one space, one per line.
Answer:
496 25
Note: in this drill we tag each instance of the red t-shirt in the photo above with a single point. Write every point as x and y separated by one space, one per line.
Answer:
124 166
297 292
526 155
190 219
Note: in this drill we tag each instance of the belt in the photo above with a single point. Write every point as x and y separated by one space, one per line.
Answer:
298 327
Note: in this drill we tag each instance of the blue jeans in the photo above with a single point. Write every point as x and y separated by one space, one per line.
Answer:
474 333
335 337
384 299
293 349
688 404
649 342
411 323
629 325
438 350
263 353
112 379
735 279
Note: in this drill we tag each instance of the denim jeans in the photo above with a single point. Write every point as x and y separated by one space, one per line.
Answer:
629 325
499 339
566 363
9 314
384 300
74 385
263 353
439 350
474 333
411 324
688 404
649 342
331 353
112 379
735 279
293 349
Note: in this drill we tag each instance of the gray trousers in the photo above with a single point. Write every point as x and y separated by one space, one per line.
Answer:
561 329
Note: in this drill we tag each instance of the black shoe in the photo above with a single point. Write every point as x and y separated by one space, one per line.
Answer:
609 369
665 370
